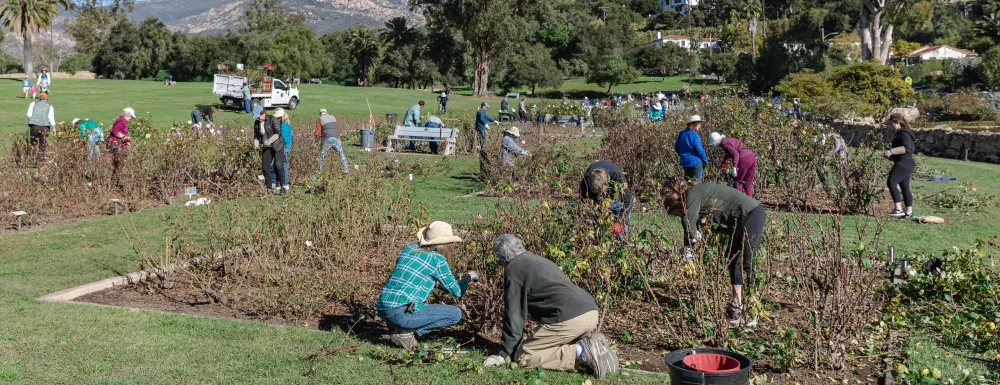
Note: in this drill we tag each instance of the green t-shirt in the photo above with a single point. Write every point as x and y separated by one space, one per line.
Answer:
87 127
718 204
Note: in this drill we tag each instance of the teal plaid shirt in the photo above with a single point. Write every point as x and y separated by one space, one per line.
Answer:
413 278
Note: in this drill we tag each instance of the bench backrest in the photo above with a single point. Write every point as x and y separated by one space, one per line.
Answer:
426 132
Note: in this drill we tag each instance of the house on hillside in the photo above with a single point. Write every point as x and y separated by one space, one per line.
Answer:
684 41
937 52
679 6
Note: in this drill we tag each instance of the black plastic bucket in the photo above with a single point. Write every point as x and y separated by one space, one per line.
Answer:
681 375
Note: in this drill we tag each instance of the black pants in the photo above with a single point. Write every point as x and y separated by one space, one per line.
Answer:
524 116
272 160
39 136
117 158
744 246
899 179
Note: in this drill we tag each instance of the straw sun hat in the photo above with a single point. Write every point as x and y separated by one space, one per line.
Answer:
438 233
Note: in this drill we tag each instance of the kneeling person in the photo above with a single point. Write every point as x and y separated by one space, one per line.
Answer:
419 267
567 336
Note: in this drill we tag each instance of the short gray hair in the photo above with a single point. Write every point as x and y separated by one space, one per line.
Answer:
507 247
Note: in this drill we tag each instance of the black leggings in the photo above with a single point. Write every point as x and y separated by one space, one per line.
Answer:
899 179
271 160
745 245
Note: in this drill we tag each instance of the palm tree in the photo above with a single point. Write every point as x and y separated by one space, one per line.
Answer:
396 32
989 26
367 51
27 17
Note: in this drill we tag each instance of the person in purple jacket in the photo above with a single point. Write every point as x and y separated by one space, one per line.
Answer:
741 161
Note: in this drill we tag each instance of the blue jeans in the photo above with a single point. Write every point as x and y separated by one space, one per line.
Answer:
275 172
246 105
195 117
482 140
337 146
424 321
93 150
694 172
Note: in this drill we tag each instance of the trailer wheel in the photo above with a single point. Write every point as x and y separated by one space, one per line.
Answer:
293 103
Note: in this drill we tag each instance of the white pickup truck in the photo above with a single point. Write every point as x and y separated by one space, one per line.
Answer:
272 93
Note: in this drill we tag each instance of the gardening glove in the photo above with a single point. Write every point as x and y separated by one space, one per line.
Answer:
688 255
887 154
697 236
471 276
735 171
493 361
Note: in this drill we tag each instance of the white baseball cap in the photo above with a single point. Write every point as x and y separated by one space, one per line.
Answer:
128 111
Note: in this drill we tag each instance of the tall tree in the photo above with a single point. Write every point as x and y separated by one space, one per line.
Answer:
396 32
488 25
268 17
367 50
878 21
93 21
27 17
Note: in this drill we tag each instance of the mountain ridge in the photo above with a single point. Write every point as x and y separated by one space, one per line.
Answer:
217 16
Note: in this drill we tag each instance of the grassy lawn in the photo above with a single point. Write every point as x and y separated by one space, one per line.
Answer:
79 343
579 86
103 100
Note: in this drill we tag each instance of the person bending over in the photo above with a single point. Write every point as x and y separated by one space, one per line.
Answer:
727 211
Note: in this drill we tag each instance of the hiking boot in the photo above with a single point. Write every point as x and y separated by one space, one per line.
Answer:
896 213
738 317
599 356
404 339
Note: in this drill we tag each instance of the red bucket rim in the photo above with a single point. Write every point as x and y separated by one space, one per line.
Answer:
722 363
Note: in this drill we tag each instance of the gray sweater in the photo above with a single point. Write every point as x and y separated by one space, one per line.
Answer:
534 286
328 124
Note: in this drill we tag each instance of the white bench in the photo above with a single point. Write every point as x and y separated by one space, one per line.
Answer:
446 135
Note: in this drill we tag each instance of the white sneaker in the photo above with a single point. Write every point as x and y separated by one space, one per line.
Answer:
404 339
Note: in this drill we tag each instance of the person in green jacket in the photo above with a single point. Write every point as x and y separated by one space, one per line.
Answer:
567 336
92 133
728 211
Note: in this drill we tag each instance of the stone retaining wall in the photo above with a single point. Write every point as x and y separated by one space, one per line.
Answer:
941 141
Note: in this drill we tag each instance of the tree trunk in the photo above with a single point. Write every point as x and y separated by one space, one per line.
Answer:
28 62
875 38
482 72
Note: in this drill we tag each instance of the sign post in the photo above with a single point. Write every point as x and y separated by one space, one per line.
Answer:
190 191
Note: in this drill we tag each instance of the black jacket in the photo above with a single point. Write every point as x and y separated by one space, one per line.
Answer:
904 138
272 126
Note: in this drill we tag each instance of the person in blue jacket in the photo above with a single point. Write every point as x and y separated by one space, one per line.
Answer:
690 150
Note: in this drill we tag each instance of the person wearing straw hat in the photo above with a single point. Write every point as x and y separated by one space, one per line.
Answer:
118 142
44 80
90 132
688 147
566 337
656 111
286 136
41 118
327 131
419 268
509 148
728 211
744 162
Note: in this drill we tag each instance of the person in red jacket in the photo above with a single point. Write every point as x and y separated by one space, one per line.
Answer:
741 160
119 141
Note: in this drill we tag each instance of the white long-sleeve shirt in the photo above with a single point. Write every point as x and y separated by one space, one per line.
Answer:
52 114
48 78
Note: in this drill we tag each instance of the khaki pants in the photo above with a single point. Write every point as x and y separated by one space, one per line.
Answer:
553 347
